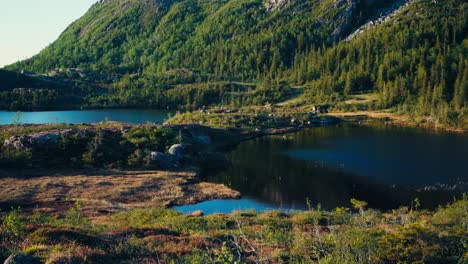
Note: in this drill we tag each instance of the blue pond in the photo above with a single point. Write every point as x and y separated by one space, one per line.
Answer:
228 206
134 116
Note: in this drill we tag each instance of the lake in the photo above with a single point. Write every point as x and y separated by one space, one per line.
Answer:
386 166
134 116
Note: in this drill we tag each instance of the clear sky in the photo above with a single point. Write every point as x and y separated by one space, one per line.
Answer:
28 26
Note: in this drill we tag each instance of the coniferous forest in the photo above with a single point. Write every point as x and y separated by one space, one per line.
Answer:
239 131
187 54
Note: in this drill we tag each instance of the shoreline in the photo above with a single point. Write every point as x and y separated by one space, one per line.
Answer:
394 119
204 189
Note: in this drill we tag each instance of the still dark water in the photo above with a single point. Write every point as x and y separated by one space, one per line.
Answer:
134 116
386 166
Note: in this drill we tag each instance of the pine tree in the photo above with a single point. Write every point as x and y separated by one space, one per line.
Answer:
348 85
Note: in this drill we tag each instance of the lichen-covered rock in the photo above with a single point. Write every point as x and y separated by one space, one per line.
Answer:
177 150
19 258
43 141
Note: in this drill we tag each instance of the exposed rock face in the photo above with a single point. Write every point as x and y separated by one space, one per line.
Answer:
177 150
75 73
271 5
386 15
42 141
19 258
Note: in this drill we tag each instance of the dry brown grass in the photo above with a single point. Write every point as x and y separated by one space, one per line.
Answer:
108 192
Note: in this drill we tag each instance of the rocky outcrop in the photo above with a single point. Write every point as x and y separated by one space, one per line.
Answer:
385 16
43 141
272 5
75 73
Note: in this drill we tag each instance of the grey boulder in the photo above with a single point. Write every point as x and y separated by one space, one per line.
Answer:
177 150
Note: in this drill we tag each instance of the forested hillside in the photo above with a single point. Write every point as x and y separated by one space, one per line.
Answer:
416 62
252 51
23 92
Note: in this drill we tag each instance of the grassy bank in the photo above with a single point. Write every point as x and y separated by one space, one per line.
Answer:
155 235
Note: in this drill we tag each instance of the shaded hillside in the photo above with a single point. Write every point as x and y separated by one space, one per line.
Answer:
42 92
10 80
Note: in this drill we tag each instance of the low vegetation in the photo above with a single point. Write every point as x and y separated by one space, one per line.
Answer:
109 145
103 192
156 235
91 146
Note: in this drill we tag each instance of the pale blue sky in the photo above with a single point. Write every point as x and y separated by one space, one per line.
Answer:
28 26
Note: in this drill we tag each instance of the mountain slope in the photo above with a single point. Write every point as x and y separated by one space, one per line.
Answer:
187 53
128 36
416 62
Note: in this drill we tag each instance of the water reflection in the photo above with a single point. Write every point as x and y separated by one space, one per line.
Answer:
330 165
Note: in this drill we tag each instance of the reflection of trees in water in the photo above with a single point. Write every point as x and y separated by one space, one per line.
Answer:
261 169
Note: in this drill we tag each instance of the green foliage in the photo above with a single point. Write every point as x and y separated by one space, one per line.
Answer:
416 65
163 218
27 93
246 237
358 204
144 218
106 146
190 53
74 216
14 224
224 255
15 158
150 138
198 257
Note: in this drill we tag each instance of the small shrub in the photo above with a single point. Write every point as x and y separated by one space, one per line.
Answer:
14 224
